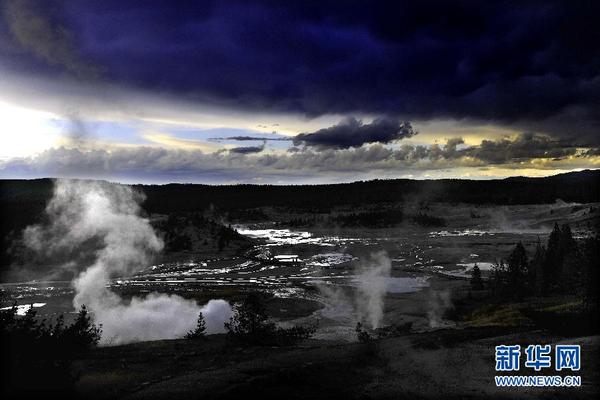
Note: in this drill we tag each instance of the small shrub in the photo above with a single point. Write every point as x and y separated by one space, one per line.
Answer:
293 335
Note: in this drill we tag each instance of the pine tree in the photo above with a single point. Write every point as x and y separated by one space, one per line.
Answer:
518 267
591 274
567 243
552 260
83 332
536 271
200 329
476 281
499 277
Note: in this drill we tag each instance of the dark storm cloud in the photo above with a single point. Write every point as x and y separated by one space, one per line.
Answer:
525 147
190 165
528 62
249 138
351 132
37 32
248 149
592 152
152 163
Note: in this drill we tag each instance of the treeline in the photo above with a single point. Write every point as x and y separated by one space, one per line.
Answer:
194 232
381 218
386 219
37 355
250 325
371 219
22 202
582 187
562 266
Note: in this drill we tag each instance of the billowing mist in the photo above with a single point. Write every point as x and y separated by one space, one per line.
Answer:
439 302
366 304
372 287
104 220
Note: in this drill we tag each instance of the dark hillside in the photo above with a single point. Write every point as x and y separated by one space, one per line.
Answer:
22 201
581 187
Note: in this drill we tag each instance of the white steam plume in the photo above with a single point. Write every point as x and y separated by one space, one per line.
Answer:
439 302
366 304
105 218
372 287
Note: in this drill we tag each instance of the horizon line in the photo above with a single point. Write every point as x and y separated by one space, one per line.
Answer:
305 184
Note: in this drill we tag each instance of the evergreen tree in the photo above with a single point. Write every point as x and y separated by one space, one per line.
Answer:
499 274
571 268
536 272
250 320
591 276
518 268
476 281
83 333
200 329
561 267
552 261
250 325
567 243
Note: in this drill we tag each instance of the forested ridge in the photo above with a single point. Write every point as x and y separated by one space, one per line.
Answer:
22 202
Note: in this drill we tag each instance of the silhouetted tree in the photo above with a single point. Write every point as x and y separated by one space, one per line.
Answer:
518 269
250 320
250 325
35 348
591 274
572 265
499 277
476 281
536 268
567 243
83 333
561 269
199 331
553 260
564 266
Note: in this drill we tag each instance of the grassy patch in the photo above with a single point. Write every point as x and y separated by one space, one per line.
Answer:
540 312
570 306
495 315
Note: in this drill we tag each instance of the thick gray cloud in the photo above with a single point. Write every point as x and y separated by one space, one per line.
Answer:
533 67
252 138
36 32
351 132
592 152
248 149
162 165
526 146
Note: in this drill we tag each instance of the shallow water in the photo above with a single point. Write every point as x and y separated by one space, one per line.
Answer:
323 261
23 308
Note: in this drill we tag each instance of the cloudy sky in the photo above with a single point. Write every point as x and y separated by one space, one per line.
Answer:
297 92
